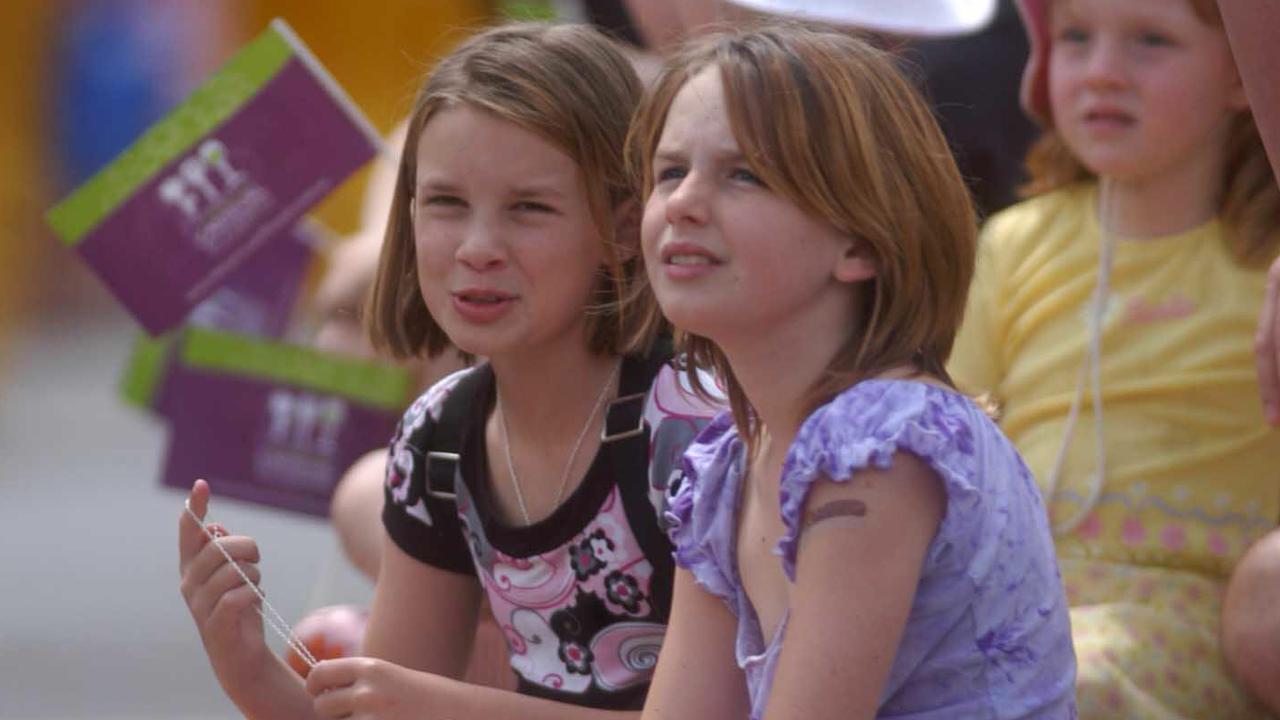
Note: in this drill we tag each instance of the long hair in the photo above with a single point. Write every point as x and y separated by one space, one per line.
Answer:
829 123
570 85
1249 204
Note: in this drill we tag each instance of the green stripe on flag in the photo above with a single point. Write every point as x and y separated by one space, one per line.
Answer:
145 370
209 106
376 384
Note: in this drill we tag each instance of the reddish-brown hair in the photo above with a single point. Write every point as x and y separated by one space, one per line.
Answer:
828 122
1249 205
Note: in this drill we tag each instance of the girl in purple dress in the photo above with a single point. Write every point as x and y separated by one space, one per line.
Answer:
856 538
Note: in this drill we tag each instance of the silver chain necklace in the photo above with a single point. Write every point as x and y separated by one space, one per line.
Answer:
573 454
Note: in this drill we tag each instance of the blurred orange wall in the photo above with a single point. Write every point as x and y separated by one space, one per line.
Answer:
25 31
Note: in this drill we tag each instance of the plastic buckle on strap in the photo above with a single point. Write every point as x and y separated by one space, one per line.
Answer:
627 432
441 494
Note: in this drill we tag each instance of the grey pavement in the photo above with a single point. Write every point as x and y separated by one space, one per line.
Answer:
91 622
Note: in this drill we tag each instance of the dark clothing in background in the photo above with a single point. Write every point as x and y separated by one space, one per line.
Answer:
972 83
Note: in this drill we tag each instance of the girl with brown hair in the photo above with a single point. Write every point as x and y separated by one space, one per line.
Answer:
526 478
856 538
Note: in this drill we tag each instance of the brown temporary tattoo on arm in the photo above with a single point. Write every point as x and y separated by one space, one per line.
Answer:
835 509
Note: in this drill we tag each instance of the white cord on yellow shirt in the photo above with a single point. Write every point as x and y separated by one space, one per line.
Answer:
1090 368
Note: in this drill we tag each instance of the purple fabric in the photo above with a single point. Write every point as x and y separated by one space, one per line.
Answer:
988 635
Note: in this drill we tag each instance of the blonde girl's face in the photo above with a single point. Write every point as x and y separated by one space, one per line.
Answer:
507 249
1140 89
727 257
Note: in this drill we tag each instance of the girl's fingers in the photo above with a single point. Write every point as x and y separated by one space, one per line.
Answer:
328 676
333 704
229 606
191 536
223 581
209 560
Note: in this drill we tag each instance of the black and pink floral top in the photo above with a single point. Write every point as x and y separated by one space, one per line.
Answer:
583 595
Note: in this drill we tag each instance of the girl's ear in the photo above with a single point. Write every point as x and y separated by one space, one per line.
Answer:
854 264
626 229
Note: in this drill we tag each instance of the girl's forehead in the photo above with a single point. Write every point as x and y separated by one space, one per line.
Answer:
1126 11
464 132
699 104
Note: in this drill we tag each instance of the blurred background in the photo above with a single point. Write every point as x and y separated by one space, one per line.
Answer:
91 620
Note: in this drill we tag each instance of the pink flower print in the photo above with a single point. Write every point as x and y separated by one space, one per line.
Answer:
623 590
1091 528
576 658
514 641
1173 537
1217 544
591 555
1133 532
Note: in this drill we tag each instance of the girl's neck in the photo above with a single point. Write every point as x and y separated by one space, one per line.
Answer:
1172 202
777 370
547 394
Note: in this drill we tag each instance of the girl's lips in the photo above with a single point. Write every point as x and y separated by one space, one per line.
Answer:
482 306
1108 119
687 263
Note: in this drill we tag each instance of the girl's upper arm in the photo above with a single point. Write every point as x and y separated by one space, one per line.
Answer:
423 617
697 674
862 546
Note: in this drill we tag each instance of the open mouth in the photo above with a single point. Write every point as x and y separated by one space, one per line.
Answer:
691 259
483 298
1108 117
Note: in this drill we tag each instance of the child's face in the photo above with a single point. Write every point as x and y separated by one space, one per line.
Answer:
507 249
728 258
1140 89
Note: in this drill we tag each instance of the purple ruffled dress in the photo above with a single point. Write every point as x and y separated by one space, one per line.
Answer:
988 635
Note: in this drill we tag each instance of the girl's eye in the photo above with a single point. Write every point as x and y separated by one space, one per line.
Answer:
532 206
670 173
1073 35
745 175
443 201
1154 39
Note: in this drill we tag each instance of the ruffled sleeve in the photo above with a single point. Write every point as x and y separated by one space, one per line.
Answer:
863 428
701 506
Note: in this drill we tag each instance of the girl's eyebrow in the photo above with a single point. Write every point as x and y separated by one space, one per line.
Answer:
727 154
443 187
527 191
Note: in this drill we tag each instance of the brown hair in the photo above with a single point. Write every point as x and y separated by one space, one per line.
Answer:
1250 201
829 123
570 85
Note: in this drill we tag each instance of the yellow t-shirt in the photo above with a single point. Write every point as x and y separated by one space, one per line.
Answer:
1192 469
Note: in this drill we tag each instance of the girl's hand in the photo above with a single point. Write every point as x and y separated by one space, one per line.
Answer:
370 689
222 605
1266 347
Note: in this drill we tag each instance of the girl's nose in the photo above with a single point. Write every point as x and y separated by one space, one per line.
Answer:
689 201
481 247
1105 64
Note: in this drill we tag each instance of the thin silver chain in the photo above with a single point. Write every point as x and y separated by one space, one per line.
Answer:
573 454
